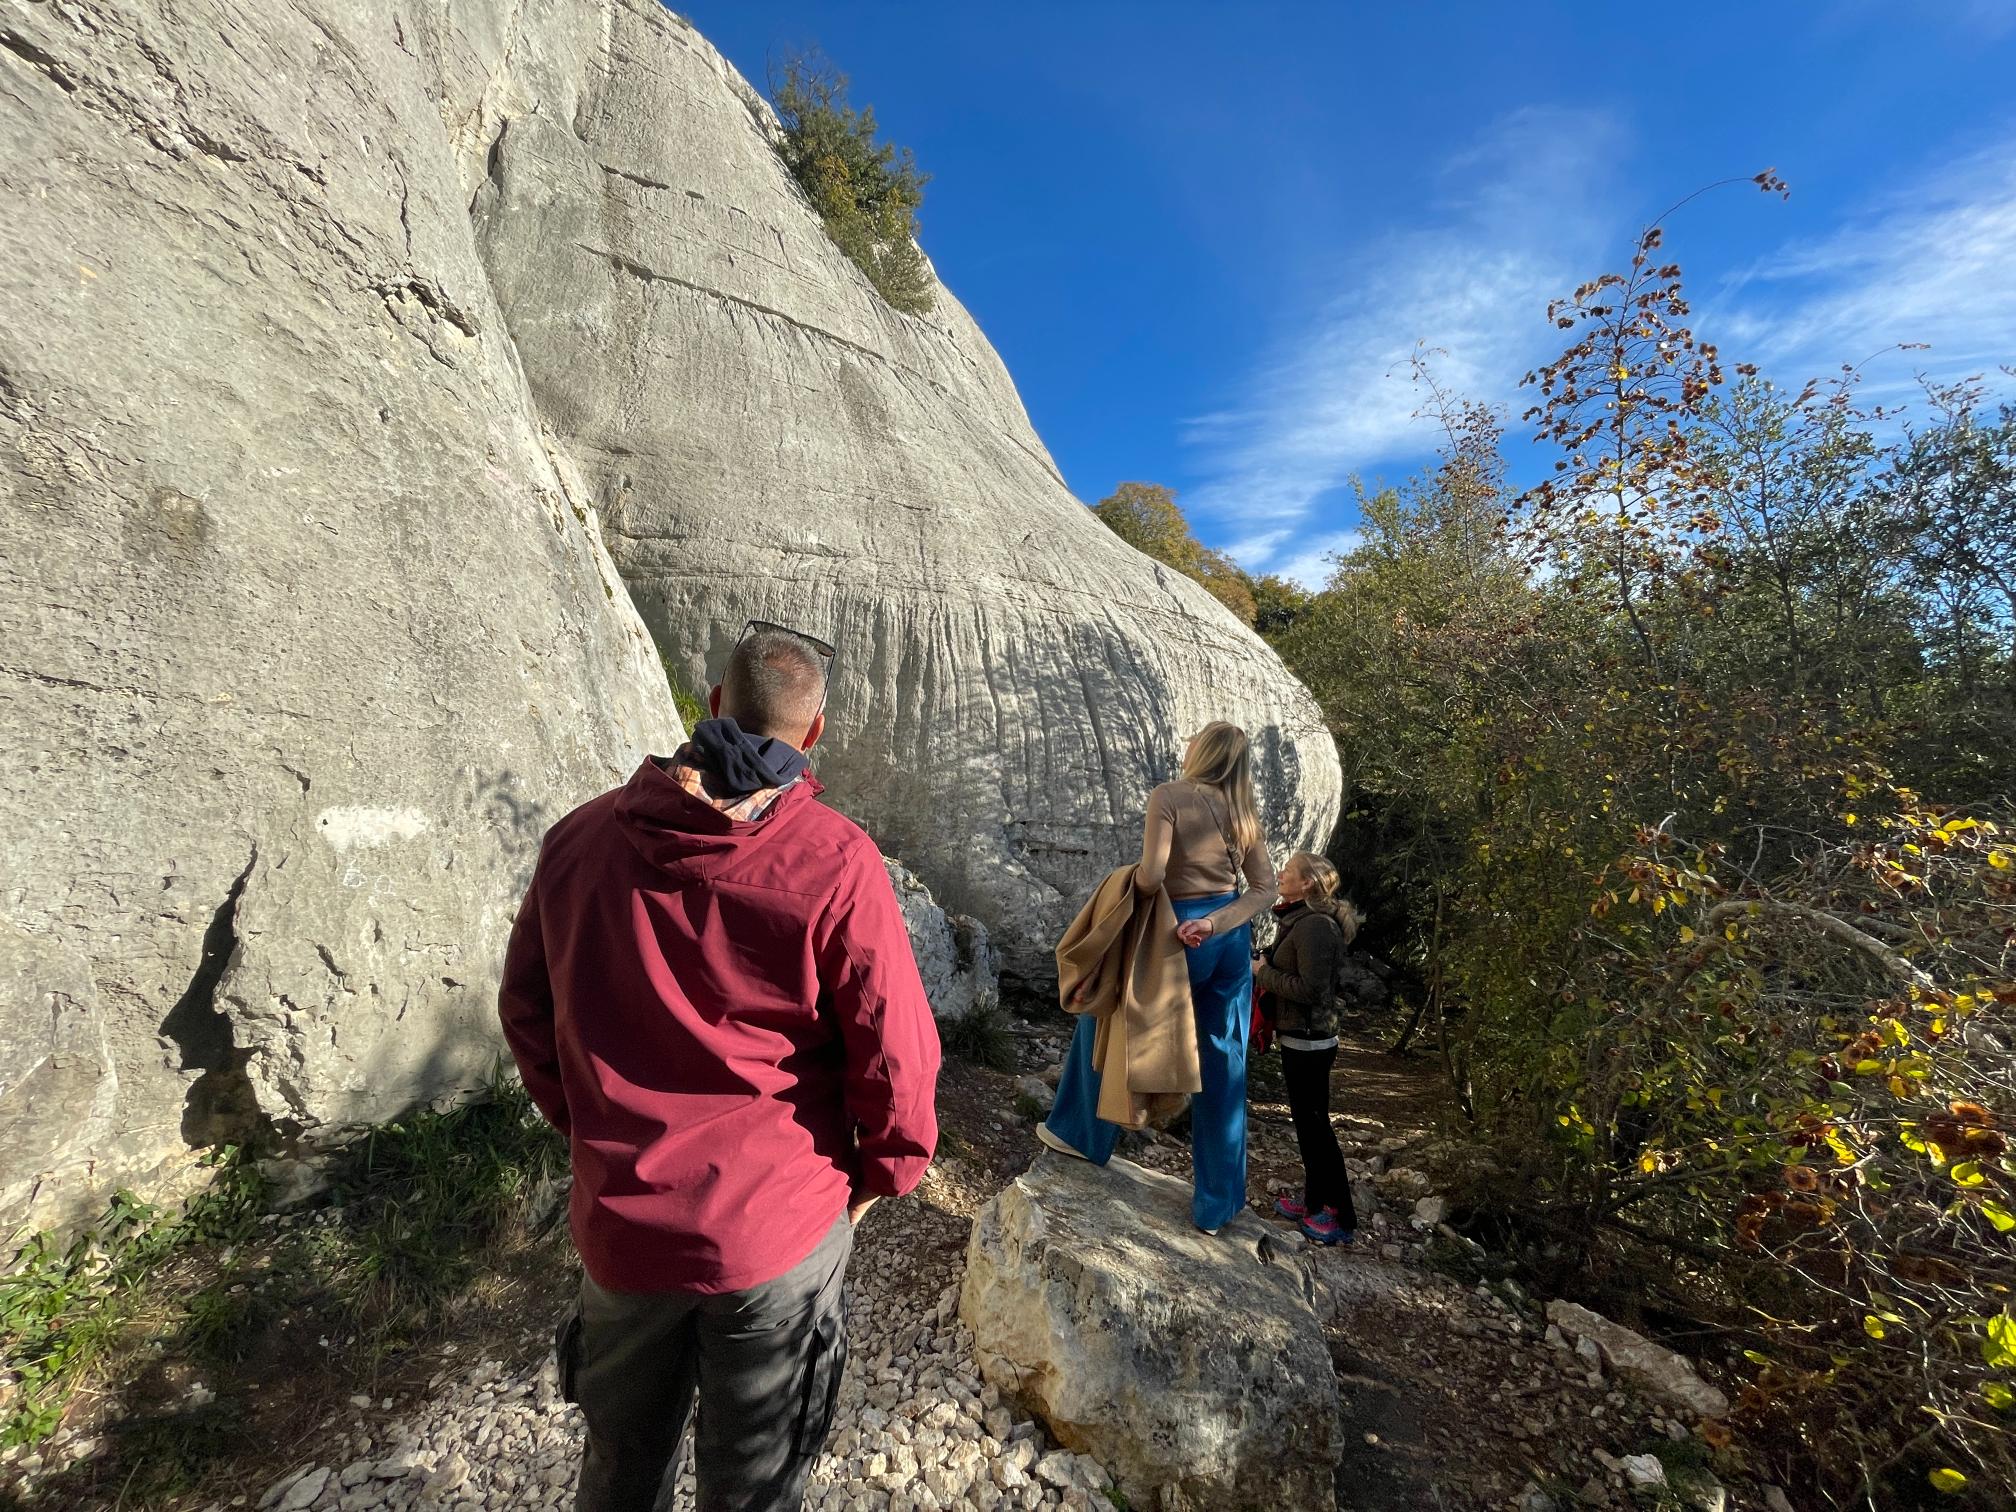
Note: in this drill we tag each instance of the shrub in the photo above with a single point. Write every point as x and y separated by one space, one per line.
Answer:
1690 770
867 193
982 1036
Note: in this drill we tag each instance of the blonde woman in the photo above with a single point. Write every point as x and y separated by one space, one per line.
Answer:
1201 836
1298 983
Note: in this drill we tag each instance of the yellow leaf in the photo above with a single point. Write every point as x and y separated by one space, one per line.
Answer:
1999 1348
2000 860
1967 1174
1868 1067
1873 1327
1847 818
2000 1216
1686 935
1899 1087
1998 1395
1948 1481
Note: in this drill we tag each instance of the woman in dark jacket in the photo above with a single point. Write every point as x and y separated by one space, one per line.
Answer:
1298 977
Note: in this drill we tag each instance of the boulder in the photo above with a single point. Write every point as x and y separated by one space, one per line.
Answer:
1655 1371
765 438
952 952
310 630
1358 982
1039 1092
1183 1362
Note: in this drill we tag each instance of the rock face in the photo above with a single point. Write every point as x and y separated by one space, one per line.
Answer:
305 625
1656 1371
330 337
952 952
1177 1359
765 438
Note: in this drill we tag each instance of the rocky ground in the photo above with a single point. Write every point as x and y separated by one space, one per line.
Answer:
1457 1395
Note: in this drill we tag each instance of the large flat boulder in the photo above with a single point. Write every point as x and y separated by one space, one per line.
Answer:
766 438
308 631
1176 1359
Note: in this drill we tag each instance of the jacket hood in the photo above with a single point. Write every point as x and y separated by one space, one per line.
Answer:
686 837
1338 910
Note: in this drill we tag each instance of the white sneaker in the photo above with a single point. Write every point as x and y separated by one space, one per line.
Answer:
1045 1137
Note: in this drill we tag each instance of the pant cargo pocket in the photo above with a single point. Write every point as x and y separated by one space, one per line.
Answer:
826 1363
567 1352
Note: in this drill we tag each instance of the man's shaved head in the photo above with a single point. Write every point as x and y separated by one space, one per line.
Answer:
774 685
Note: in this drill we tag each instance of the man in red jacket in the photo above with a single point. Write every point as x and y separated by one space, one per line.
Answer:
710 992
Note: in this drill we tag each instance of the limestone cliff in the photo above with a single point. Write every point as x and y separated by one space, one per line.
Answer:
304 632
334 337
765 438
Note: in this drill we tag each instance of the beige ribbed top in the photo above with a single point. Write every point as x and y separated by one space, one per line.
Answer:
1186 845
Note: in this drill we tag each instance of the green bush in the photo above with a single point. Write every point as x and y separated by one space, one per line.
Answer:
866 192
1689 770
982 1037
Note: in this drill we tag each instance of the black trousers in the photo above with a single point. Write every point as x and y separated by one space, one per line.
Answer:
765 1364
1325 1182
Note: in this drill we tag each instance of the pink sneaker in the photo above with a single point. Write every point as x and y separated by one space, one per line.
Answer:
1291 1208
1324 1228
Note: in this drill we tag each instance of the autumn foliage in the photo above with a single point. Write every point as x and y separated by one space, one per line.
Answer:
1684 782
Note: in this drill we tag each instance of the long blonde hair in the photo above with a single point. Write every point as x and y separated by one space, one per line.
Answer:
1221 757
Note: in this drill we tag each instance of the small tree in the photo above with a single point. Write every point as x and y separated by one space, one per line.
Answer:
1278 604
867 193
1619 403
1145 516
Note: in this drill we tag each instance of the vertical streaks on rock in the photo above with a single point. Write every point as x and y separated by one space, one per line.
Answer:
283 537
766 438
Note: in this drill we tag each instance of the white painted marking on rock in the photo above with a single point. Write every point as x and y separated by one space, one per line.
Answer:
356 828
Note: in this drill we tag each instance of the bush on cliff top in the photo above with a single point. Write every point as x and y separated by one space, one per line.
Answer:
866 192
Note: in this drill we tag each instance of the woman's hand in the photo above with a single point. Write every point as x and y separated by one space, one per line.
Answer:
1194 932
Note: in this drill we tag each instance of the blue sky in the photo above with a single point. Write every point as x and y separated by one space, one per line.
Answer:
1204 236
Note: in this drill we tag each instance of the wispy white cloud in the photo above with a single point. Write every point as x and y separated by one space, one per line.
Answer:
1514 222
1933 262
1311 566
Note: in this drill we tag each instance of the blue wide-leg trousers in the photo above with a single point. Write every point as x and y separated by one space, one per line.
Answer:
1221 999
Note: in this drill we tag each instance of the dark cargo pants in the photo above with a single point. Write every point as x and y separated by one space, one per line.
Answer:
765 1362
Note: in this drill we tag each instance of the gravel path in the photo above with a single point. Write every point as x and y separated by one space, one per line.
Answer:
916 1430
1454 1396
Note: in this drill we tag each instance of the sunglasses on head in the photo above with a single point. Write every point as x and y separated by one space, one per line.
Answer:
757 627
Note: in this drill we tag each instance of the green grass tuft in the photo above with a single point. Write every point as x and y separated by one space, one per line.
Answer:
981 1037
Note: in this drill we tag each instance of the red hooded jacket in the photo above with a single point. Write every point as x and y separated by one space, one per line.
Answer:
725 1020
